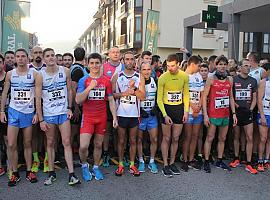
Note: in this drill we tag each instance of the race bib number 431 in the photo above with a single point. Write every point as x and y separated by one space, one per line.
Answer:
174 96
222 102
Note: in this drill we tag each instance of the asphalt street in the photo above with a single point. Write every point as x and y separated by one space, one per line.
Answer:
220 184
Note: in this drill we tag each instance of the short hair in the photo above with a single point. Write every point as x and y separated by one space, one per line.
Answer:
155 58
21 50
254 56
128 52
58 55
68 54
194 59
232 69
79 54
2 57
172 57
146 53
46 50
221 58
94 56
212 58
144 63
9 52
241 62
204 65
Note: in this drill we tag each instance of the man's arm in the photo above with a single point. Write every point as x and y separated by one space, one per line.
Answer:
140 93
69 88
5 92
38 88
205 95
160 97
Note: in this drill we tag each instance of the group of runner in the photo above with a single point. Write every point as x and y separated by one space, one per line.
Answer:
127 97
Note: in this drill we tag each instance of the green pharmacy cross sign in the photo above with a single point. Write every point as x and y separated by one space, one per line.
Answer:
212 16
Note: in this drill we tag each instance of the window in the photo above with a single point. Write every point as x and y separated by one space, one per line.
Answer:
208 31
248 42
266 43
130 4
130 31
138 3
138 28
225 45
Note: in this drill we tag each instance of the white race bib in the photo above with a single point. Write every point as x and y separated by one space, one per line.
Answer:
222 102
128 99
148 104
56 94
242 94
174 96
97 94
194 96
266 103
22 96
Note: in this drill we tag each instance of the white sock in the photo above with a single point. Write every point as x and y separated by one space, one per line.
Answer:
152 160
95 166
85 164
141 160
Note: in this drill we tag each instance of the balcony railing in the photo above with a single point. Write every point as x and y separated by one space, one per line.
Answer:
122 39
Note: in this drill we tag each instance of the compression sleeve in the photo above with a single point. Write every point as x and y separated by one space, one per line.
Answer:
160 94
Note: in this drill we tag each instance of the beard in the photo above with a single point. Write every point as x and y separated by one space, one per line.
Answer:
38 59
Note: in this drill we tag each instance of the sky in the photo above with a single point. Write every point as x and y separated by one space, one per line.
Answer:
60 23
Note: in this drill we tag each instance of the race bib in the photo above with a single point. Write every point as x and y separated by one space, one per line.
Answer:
242 94
22 96
222 102
194 96
174 96
97 94
266 103
56 94
148 104
128 99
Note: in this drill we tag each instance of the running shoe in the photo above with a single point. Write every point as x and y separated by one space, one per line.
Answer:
106 161
31 177
267 165
174 169
235 163
87 176
222 165
141 167
73 180
134 171
97 174
194 165
250 169
119 171
260 167
166 171
35 166
200 160
49 181
184 167
206 167
2 171
13 180
46 166
153 167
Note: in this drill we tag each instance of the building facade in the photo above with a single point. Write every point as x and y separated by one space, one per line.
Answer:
123 22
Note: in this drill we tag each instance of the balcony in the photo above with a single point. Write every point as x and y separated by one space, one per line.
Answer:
122 39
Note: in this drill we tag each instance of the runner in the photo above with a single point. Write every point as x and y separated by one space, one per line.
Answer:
195 119
218 93
3 126
129 89
21 113
54 87
110 68
264 119
38 135
173 102
93 92
245 95
148 119
67 60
